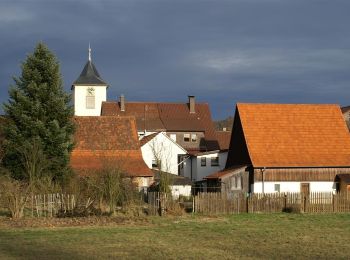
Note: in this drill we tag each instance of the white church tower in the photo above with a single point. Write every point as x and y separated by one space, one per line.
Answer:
89 91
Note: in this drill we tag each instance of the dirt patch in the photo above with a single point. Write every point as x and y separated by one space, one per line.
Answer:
6 222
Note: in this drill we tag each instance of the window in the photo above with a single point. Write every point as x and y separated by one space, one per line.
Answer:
193 138
233 183
214 161
90 102
203 161
155 164
277 187
187 137
173 137
238 182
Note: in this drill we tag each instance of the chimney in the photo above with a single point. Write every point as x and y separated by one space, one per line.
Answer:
192 103
122 103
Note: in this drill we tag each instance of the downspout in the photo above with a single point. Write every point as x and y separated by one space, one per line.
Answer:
191 168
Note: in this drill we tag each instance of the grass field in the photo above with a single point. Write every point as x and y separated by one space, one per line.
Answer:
251 236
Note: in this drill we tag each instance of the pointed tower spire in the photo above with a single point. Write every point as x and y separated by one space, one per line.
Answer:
89 52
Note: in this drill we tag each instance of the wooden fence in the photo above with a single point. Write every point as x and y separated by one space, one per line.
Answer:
161 204
223 203
48 205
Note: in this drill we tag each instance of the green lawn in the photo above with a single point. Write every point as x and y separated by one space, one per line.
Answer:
251 236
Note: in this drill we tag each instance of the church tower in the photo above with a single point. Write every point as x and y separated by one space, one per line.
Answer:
89 91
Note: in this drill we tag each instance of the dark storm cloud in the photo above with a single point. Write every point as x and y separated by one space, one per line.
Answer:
220 51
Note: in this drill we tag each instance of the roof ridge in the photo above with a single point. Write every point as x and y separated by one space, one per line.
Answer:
289 104
156 102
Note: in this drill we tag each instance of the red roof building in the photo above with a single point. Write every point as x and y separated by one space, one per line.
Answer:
288 147
108 141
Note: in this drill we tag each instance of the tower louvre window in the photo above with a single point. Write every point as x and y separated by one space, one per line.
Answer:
90 102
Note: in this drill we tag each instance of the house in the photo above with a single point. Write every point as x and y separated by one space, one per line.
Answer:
160 151
203 164
179 186
285 148
187 124
109 142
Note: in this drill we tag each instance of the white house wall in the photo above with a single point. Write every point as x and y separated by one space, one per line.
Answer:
183 190
80 93
165 149
201 172
269 187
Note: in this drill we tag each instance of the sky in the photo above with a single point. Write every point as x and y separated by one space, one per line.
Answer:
221 51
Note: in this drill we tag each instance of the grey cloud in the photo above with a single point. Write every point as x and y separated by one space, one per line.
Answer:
220 51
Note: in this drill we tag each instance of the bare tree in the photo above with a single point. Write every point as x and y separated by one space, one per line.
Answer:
15 193
109 185
162 156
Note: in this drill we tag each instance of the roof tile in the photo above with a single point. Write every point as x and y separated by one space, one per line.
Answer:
295 135
108 141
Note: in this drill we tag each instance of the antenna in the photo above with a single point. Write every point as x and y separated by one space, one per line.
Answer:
89 52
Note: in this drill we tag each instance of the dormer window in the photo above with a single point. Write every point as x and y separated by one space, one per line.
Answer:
90 98
193 138
187 137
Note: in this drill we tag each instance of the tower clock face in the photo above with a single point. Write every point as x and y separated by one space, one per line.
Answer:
91 91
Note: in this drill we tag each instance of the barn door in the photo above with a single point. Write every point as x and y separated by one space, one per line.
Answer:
305 188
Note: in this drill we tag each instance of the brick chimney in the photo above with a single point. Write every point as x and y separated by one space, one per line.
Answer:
122 103
192 103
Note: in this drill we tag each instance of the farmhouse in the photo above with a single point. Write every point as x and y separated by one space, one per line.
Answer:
109 142
285 148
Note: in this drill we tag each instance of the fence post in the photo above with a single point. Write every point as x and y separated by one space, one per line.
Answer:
193 204
247 202
304 204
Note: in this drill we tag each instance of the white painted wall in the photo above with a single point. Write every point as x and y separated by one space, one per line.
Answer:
80 93
186 171
183 190
165 149
269 187
201 172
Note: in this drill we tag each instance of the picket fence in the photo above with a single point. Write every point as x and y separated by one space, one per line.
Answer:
316 202
48 205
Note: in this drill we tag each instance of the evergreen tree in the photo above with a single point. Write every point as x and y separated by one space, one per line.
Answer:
39 112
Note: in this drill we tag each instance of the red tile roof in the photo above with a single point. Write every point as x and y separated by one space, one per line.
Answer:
224 138
147 138
169 117
294 135
146 114
108 141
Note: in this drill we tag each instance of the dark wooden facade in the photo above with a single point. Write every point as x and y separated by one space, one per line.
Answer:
298 174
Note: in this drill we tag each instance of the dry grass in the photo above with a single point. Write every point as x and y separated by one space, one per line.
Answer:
240 236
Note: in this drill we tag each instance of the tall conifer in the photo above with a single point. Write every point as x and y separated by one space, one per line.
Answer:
39 111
